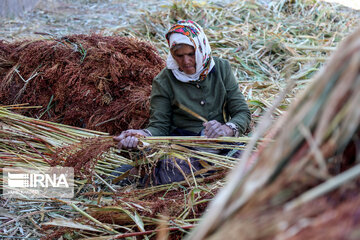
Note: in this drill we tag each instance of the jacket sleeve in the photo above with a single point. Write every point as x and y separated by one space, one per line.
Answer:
236 105
160 108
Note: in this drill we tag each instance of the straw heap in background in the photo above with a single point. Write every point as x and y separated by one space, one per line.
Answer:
306 182
98 82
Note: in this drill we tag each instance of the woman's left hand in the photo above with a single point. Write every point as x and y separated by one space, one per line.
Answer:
215 129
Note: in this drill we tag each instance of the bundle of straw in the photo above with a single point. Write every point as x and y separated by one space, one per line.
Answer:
29 142
32 142
309 176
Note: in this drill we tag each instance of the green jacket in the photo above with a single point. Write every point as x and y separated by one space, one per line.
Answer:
209 98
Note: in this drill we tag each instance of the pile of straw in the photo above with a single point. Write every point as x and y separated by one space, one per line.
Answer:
99 82
264 42
307 179
119 211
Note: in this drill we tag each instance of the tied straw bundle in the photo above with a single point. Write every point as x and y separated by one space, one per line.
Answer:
31 143
308 178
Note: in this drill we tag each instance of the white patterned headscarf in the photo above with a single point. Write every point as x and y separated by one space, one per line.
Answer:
190 33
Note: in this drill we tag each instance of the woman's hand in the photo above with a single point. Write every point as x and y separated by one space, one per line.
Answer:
129 138
215 129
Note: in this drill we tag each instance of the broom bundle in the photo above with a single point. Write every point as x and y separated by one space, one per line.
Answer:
307 179
94 81
32 143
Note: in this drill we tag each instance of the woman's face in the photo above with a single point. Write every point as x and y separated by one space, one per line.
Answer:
185 58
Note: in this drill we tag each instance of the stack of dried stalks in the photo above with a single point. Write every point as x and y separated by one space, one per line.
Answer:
32 143
94 81
305 183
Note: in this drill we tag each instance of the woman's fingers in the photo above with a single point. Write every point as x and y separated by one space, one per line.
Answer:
215 129
128 142
123 135
129 138
212 129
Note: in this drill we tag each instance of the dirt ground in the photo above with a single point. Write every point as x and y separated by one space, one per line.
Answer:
63 17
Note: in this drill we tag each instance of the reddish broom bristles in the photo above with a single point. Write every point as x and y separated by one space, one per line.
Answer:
98 82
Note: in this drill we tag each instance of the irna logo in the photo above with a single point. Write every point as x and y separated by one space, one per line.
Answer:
37 180
44 182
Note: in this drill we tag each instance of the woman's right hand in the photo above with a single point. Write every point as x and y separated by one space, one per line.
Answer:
129 139
214 129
